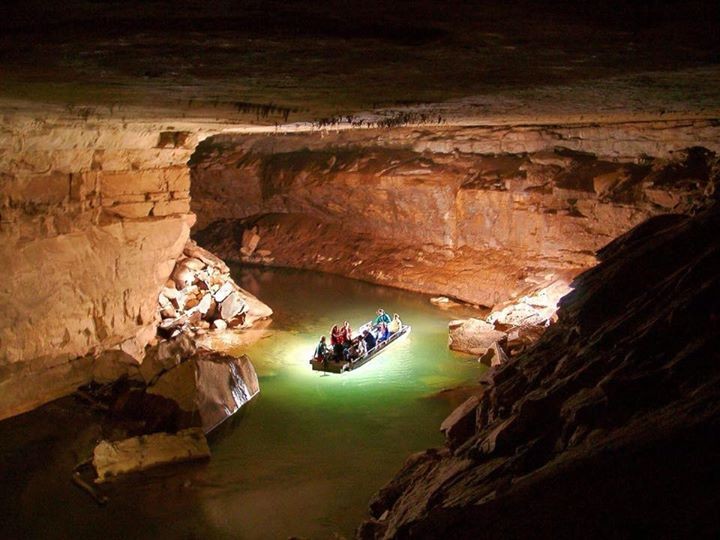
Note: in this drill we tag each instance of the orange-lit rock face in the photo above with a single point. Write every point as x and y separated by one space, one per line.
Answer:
479 214
94 215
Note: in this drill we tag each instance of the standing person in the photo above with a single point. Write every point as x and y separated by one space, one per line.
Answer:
336 340
382 317
395 325
335 335
346 331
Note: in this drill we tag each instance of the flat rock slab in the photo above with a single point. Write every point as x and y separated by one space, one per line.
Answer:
473 336
112 459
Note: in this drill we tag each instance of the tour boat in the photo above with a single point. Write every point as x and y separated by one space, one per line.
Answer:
341 366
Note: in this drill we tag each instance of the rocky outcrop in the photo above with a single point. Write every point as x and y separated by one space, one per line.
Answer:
473 336
200 295
458 212
111 459
94 214
608 425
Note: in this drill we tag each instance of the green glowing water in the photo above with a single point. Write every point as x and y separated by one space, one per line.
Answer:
302 459
312 450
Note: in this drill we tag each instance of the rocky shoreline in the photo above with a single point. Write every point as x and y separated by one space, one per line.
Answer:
611 417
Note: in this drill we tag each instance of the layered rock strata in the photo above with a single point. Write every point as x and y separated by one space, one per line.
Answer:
94 213
482 215
608 425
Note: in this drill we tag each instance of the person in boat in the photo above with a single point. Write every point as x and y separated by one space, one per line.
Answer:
383 333
346 332
395 325
336 342
335 335
382 317
356 350
369 339
322 351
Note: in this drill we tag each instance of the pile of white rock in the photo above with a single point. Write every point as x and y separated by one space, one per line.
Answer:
200 295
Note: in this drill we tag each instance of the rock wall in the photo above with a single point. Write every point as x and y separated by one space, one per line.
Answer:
93 215
468 212
607 427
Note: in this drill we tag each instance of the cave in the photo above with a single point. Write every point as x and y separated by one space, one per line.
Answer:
191 196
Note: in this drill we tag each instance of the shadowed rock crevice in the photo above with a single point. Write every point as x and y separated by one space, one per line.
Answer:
605 427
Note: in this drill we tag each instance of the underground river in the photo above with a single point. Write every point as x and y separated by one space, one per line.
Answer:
302 459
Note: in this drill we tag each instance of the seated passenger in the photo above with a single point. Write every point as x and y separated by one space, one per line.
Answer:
383 333
395 325
370 340
361 348
321 351
382 317
356 350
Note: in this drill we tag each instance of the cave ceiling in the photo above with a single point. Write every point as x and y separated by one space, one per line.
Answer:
273 61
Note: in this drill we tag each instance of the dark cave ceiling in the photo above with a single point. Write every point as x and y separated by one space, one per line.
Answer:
324 58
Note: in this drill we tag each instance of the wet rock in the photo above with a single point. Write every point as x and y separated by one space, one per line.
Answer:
219 324
460 425
223 292
494 356
112 459
232 306
473 336
166 355
210 386
114 364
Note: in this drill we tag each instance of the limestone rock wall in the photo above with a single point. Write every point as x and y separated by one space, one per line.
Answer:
93 215
511 203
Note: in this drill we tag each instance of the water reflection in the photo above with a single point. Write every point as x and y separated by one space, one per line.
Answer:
310 453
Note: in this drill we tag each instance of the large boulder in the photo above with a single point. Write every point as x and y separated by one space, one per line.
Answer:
473 336
209 387
166 355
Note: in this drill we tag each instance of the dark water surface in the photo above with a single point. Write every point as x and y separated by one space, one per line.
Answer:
302 459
